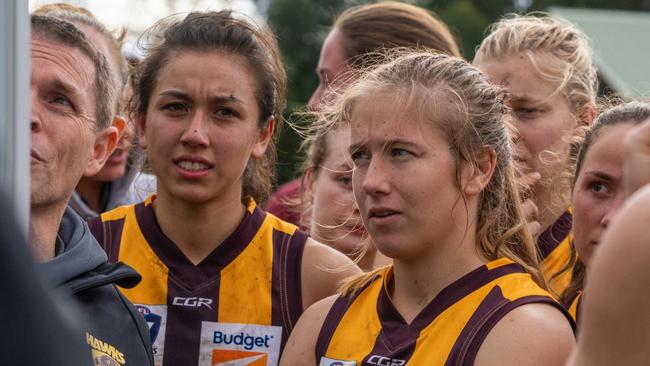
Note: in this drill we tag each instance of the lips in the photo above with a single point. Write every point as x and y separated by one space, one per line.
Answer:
382 216
192 167
117 157
35 155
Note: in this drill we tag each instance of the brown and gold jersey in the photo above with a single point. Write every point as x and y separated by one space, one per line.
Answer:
366 329
238 305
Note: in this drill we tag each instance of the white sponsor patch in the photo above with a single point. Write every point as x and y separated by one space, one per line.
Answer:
230 344
324 361
156 318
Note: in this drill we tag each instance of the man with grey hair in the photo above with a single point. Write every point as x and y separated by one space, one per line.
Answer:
72 135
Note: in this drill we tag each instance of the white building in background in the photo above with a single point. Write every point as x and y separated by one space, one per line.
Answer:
136 16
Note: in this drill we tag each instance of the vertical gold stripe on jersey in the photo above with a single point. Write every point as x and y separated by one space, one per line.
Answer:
247 277
135 251
554 262
351 340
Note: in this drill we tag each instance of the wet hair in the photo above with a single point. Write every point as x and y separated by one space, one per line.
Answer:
569 62
83 17
373 27
221 32
65 33
627 113
455 98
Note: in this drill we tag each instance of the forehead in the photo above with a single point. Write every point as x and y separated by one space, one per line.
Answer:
337 143
61 63
606 151
518 75
209 73
332 55
390 116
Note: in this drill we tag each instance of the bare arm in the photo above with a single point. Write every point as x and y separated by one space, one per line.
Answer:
300 349
615 324
323 269
531 335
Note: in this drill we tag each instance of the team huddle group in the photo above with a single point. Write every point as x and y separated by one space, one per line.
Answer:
448 212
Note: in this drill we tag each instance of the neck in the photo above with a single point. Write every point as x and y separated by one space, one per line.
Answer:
550 209
416 282
373 259
197 229
44 225
91 191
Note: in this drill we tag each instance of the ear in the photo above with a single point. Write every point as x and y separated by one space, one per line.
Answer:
475 177
105 143
588 115
263 140
308 184
140 127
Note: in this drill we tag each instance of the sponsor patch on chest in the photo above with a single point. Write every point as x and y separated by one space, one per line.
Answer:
231 344
324 361
156 318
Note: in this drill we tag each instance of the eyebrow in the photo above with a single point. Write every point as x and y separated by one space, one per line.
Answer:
601 175
217 99
385 144
65 88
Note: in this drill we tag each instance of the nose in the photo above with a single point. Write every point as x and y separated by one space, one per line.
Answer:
315 99
35 113
613 210
376 179
196 133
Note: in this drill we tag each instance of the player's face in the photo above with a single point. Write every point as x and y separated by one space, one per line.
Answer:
202 127
62 120
335 218
542 119
403 179
598 192
331 69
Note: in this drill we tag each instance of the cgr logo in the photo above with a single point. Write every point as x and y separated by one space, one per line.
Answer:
192 302
385 361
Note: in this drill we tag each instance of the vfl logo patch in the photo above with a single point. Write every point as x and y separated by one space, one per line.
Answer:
103 353
385 361
156 318
231 344
324 361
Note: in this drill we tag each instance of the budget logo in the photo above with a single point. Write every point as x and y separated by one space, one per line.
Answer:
231 344
324 361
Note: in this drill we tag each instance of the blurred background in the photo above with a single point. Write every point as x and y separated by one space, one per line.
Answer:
618 29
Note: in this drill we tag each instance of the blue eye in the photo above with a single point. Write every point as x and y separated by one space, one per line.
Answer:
397 152
62 101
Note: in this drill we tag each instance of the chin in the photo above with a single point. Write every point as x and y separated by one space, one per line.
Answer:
110 173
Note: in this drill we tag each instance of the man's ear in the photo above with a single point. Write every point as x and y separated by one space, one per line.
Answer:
477 176
263 140
105 142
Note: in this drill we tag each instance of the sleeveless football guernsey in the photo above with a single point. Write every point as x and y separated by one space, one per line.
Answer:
554 245
237 306
364 328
